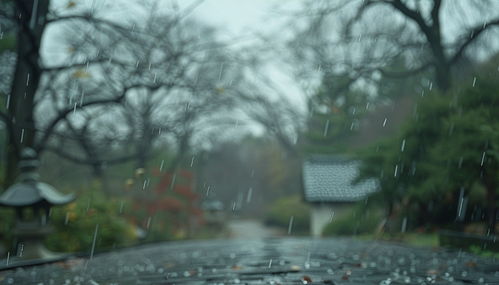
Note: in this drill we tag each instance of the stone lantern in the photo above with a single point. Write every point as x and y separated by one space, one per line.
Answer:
29 194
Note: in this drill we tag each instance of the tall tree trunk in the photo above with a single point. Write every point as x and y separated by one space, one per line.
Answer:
99 175
31 24
387 227
442 66
144 143
443 76
183 147
143 152
490 187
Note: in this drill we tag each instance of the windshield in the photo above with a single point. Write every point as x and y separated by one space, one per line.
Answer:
140 127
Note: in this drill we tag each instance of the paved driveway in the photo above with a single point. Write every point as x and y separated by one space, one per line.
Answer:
251 229
266 261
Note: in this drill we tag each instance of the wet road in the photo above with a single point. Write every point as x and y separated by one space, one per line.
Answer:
266 261
251 229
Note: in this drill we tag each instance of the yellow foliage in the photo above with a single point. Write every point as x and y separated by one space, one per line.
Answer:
129 183
80 73
131 232
72 216
70 4
70 206
139 172
180 234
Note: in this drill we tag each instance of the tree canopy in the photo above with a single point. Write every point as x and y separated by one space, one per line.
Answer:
449 145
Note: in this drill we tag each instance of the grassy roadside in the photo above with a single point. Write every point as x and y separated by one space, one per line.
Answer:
412 239
428 240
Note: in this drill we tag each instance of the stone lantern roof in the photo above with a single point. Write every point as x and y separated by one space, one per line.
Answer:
26 194
28 191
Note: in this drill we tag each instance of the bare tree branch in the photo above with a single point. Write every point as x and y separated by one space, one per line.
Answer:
79 160
405 73
470 37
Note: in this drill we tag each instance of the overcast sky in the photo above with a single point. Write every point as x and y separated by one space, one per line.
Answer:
234 19
244 18
237 16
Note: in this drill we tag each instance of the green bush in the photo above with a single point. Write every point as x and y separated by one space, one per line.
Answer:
353 223
75 224
6 225
475 249
280 213
162 228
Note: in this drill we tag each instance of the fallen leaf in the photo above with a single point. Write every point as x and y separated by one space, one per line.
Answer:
71 263
80 73
347 274
236 267
169 265
306 279
71 4
432 272
471 264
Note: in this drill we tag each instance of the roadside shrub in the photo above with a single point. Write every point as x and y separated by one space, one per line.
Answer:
353 223
6 225
75 224
170 211
281 211
482 252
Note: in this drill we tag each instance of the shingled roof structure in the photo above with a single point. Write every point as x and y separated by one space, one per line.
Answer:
330 179
28 191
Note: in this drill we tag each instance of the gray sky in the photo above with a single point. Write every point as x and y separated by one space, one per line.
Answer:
234 19
236 16
244 18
